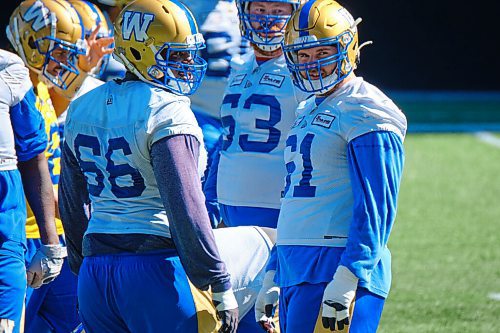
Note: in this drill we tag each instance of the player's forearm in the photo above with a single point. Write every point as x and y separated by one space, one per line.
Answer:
175 165
39 193
376 165
73 197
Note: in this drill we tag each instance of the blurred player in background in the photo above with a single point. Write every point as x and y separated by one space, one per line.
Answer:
23 165
257 111
48 35
224 42
344 157
134 151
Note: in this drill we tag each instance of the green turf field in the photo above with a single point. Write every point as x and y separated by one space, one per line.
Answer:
446 240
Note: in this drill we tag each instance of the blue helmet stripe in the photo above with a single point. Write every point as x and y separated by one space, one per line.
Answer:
93 8
304 18
192 22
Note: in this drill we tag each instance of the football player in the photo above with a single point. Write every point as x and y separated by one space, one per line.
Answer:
344 157
133 151
223 39
257 111
23 164
51 308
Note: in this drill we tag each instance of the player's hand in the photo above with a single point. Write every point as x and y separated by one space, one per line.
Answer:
227 310
337 299
266 303
96 50
45 265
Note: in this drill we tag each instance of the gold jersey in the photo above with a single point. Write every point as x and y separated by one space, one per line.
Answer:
53 153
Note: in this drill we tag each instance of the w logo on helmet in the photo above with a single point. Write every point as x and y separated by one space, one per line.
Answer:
137 23
39 14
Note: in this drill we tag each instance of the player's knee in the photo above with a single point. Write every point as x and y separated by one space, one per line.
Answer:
6 325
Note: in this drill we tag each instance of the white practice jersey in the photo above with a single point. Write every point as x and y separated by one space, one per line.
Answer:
247 268
110 131
317 206
257 112
88 84
14 84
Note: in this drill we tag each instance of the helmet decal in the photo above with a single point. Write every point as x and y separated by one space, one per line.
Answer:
137 23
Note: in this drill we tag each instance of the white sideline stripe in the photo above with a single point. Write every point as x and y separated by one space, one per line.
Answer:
488 138
494 296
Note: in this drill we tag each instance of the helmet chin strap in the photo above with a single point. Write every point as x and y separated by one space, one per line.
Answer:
259 42
323 85
45 79
177 86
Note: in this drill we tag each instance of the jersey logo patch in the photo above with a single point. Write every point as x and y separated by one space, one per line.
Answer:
323 120
39 14
237 80
272 80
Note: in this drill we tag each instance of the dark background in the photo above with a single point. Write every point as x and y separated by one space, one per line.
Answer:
418 45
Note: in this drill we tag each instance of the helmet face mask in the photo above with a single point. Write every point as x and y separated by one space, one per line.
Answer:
37 29
182 68
264 30
304 74
321 23
59 68
158 41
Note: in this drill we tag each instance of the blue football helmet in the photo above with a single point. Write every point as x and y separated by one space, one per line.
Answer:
159 41
263 36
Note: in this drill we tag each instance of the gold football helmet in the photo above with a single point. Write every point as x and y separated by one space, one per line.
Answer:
91 16
47 30
321 23
158 41
120 3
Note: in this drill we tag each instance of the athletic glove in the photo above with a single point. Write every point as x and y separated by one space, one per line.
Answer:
227 310
45 265
266 303
337 299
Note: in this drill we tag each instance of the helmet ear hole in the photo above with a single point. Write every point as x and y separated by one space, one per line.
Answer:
31 42
136 54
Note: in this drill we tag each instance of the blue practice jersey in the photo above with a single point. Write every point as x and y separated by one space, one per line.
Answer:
257 112
110 131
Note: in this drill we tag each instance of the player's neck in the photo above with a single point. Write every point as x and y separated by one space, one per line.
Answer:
34 78
263 56
337 86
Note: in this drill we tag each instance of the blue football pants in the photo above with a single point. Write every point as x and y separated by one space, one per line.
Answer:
300 310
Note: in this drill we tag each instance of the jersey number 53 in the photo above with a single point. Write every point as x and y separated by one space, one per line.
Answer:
274 118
